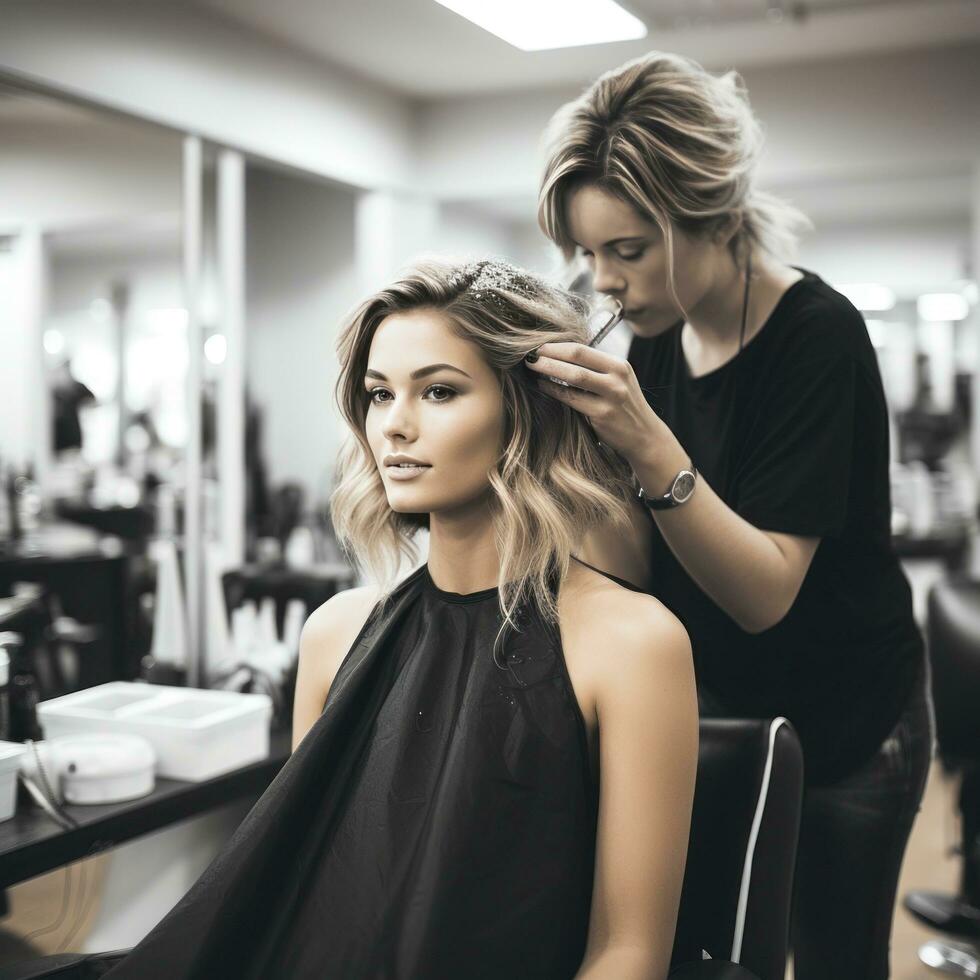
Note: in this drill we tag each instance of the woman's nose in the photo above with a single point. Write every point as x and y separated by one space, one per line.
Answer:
399 422
605 279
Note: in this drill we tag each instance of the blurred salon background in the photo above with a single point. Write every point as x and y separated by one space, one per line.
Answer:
193 194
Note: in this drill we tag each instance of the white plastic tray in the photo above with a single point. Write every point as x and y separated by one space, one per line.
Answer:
196 734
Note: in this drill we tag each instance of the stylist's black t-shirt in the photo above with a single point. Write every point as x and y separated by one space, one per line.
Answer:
793 435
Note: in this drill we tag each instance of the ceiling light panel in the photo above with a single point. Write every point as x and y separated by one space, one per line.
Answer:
540 25
942 307
871 297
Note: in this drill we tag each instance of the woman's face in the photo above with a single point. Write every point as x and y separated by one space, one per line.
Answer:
628 257
435 402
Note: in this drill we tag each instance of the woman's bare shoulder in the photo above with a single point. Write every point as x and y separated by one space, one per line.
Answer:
612 630
334 626
592 602
342 606
327 637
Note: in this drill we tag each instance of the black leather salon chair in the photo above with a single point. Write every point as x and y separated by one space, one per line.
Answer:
954 653
738 883
739 878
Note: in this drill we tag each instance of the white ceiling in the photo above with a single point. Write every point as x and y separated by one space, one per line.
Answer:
421 49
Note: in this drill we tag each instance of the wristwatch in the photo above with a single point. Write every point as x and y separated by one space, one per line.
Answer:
680 492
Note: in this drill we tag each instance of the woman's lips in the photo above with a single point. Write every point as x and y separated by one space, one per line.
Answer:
396 472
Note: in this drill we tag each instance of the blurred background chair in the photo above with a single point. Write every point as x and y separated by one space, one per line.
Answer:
312 586
954 653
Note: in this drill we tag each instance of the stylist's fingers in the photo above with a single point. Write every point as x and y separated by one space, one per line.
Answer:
579 365
583 401
588 357
581 378
578 355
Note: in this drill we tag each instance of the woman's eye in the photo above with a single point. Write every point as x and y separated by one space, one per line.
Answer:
440 393
631 256
373 394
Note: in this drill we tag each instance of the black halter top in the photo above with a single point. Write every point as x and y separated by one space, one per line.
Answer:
437 821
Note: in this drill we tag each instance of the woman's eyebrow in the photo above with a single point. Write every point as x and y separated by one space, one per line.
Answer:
420 373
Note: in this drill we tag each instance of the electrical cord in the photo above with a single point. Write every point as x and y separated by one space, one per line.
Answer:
44 795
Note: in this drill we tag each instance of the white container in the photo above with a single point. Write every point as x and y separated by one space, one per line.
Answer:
10 753
196 734
98 769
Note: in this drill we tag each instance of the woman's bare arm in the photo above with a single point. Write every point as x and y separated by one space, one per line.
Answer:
325 641
646 705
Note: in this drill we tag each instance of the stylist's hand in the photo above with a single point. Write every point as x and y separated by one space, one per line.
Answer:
606 392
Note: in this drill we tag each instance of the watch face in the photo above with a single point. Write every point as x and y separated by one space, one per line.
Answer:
683 486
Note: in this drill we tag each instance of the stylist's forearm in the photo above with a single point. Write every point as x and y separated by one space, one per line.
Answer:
740 567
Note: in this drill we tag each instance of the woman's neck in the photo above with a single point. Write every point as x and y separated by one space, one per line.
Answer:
712 330
717 317
463 554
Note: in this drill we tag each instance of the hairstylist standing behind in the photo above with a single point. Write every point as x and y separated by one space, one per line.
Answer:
751 410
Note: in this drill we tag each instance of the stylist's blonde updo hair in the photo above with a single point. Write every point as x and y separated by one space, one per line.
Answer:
676 143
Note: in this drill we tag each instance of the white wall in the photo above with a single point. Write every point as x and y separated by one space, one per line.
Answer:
192 71
914 113
910 256
468 234
301 280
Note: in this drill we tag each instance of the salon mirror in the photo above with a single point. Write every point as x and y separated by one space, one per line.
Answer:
90 209
93 373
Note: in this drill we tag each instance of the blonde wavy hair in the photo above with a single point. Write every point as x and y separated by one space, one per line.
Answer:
552 481
681 146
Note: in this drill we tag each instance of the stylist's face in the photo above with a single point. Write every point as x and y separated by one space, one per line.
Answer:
628 257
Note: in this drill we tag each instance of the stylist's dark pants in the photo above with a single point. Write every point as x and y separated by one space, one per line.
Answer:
852 840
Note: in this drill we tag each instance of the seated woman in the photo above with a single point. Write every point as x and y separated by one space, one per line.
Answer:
494 759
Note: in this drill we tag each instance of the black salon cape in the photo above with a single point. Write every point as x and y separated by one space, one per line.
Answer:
438 820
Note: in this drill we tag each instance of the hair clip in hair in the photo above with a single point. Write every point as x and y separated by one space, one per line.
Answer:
484 278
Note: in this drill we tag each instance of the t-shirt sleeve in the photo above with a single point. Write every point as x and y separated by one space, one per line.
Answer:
796 474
